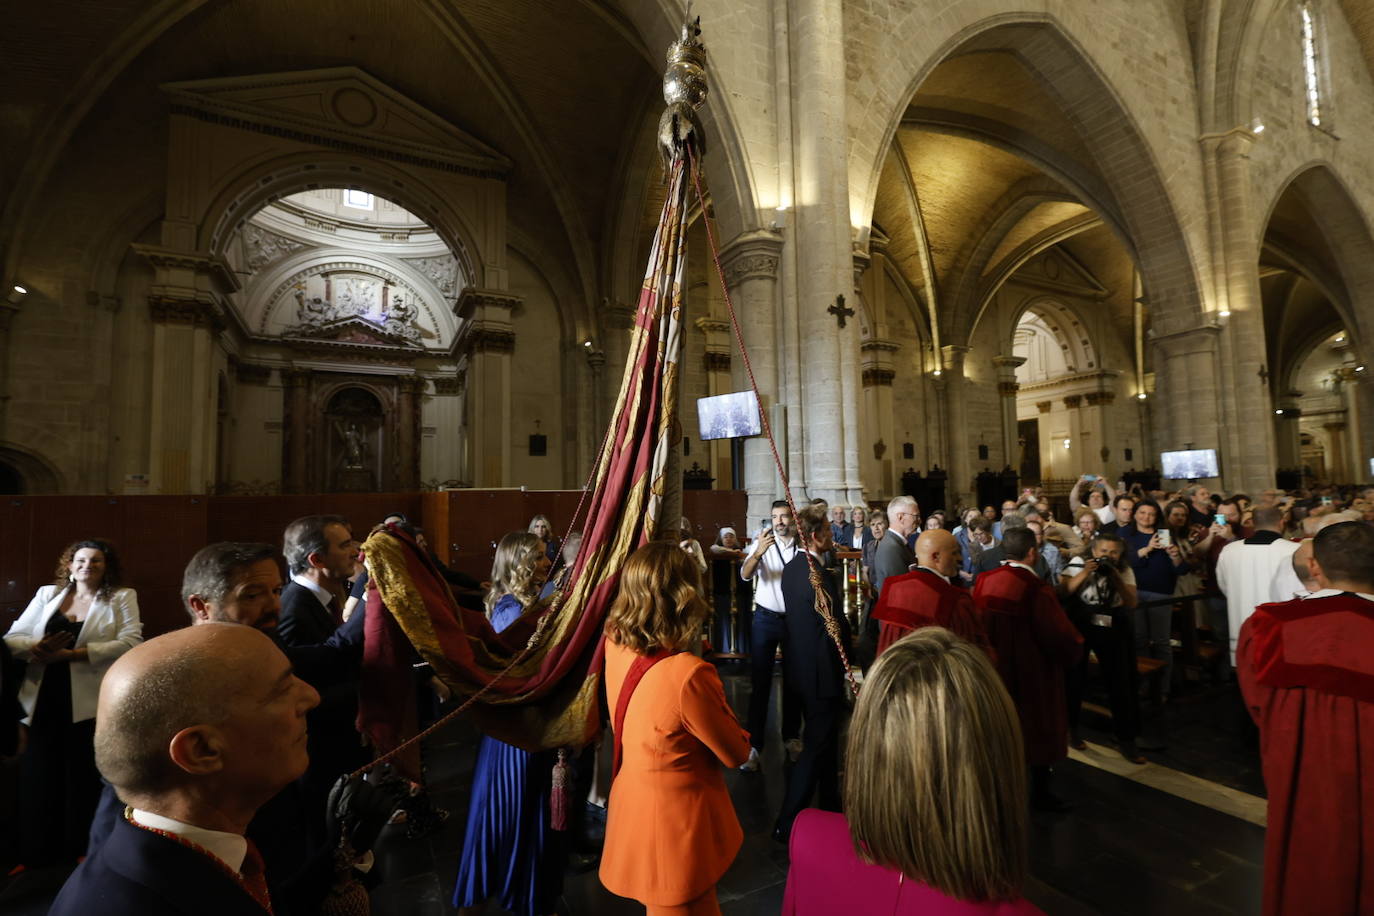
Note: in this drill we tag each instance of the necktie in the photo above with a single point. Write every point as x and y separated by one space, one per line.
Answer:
255 878
336 611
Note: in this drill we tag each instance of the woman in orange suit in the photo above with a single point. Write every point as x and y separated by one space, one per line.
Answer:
671 830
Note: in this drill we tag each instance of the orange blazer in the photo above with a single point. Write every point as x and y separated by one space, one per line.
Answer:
671 830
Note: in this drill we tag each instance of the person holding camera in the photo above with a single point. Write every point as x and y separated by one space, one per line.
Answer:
1099 596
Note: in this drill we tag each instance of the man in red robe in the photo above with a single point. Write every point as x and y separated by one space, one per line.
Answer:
1306 668
1034 644
925 597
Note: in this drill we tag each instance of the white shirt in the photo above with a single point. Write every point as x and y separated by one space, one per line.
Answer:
858 542
1105 514
229 848
1332 592
322 594
1245 574
1087 592
1020 565
768 575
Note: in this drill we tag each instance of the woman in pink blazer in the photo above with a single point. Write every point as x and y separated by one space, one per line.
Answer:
956 768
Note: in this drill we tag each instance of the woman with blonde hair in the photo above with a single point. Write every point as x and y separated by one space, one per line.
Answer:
935 794
509 851
671 831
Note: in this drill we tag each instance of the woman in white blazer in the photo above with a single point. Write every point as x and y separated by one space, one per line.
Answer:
70 634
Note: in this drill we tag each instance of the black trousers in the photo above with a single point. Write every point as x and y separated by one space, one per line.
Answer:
818 767
58 781
1114 647
769 632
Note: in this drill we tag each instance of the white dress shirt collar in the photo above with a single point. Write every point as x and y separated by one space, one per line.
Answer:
229 848
321 594
1020 565
1332 592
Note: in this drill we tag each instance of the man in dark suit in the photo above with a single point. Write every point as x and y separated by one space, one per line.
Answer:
240 583
320 554
195 730
814 669
893 556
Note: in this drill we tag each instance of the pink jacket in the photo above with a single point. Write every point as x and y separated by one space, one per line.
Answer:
828 877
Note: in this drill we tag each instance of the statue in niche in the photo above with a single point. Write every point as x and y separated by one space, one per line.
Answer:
354 445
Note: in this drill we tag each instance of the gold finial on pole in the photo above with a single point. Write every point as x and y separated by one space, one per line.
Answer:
684 91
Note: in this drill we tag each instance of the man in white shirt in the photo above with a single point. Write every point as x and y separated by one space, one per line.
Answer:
195 730
1246 569
772 551
1294 579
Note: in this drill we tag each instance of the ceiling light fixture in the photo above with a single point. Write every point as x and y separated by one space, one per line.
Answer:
1141 396
1225 313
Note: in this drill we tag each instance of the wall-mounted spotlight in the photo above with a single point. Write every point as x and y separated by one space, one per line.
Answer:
16 294
1142 396
1257 126
938 372
1068 443
1224 313
587 343
1279 412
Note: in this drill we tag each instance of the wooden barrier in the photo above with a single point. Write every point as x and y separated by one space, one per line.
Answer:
157 535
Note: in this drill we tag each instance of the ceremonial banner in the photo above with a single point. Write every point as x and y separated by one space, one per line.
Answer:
549 699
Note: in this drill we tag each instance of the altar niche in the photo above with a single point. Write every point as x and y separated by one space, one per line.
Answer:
355 449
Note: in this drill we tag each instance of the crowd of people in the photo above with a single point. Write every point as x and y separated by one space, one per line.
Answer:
207 760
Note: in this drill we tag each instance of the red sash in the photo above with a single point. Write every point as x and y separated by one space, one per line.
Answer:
638 668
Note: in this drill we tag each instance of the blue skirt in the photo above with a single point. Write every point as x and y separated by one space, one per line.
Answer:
509 852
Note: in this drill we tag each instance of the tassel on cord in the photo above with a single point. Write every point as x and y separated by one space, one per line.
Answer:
558 798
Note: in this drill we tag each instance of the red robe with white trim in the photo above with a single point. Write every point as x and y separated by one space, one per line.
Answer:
925 599
1034 644
1306 668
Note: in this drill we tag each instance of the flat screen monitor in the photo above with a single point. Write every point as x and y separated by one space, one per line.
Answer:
729 416
1192 464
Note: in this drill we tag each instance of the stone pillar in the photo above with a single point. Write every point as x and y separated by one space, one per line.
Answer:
1355 393
1338 467
1287 432
716 360
488 338
1248 460
1186 404
878 376
7 312
1074 460
616 322
750 262
1105 448
1007 387
297 432
410 390
956 416
187 304
449 442
822 252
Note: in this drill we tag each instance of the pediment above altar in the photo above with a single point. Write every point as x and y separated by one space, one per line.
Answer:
338 104
354 330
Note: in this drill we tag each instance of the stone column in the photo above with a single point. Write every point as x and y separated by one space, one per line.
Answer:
823 253
187 304
1355 393
447 462
1287 432
1074 460
1105 454
488 338
7 312
1248 461
1338 467
410 390
1186 404
956 414
297 432
751 273
1007 387
878 376
616 322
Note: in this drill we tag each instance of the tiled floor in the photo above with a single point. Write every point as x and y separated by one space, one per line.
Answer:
1127 848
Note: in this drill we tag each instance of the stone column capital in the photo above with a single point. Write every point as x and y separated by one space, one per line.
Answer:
411 384
751 255
618 317
295 378
952 357
476 304
708 325
1202 339
1009 362
448 384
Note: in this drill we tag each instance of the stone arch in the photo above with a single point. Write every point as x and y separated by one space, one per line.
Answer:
1129 171
252 188
1067 325
35 473
1346 234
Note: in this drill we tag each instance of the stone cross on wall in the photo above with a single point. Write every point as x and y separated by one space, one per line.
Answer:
839 310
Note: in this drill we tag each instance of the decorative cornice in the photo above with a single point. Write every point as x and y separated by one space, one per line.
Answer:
1073 400
1008 362
716 361
366 352
175 310
706 324
411 384
877 343
473 298
448 384
1096 398
491 340
874 377
169 259
1098 379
